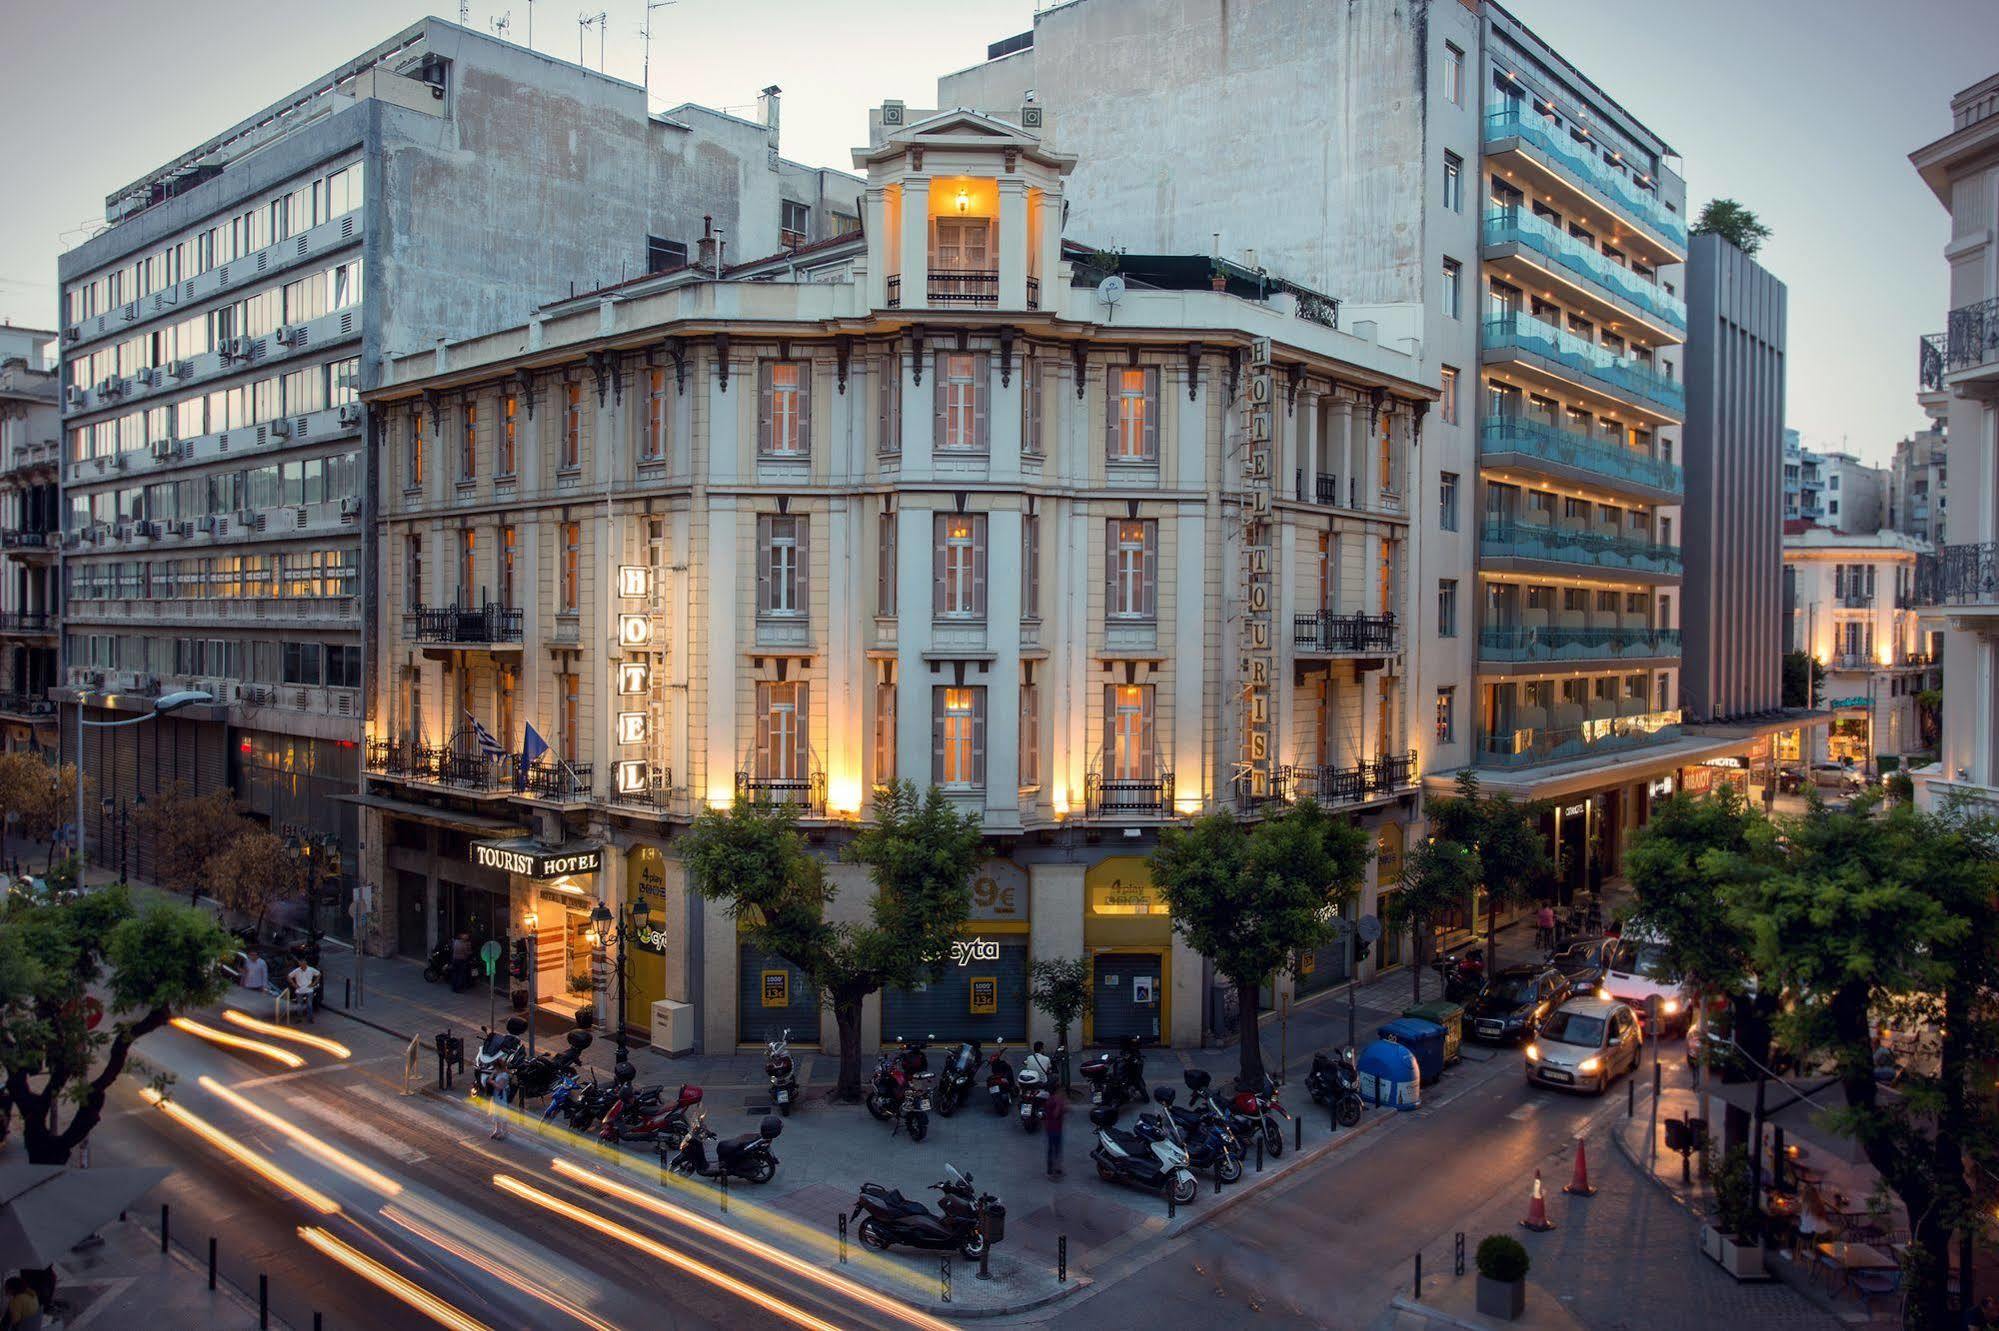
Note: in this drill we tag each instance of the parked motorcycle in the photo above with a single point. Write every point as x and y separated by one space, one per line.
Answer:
587 1106
746 1157
1204 1129
912 1115
638 1122
1463 974
538 1075
1335 1080
1256 1110
1117 1078
999 1081
891 1219
438 965
961 1069
499 1049
1150 1156
886 1087
1031 1089
778 1068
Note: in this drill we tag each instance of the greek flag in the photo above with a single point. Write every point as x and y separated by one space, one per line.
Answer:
487 744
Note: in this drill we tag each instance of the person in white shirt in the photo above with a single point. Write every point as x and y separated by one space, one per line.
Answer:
256 973
304 980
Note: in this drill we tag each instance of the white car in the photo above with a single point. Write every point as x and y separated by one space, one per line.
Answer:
1585 1045
1639 970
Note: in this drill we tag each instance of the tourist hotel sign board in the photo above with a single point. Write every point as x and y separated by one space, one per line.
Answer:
632 773
534 862
1258 662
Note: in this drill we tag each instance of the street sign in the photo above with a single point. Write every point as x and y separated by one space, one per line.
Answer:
490 953
1370 928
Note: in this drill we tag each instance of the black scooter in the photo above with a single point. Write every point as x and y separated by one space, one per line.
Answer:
1118 1079
438 965
892 1219
746 1157
961 1070
1335 1081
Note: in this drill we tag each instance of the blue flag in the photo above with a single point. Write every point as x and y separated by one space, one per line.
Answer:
532 747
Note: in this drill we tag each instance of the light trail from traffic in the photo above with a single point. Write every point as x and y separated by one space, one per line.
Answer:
213 1036
672 1257
242 1154
763 1252
296 1036
306 1141
372 1271
395 1215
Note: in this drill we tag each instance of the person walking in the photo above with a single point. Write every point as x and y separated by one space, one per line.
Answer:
1544 926
461 963
1058 1105
496 1103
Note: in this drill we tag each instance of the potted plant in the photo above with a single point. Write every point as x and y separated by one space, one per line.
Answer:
1502 1277
1218 277
1735 1239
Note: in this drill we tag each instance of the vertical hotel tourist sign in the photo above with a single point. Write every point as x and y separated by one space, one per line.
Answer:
1253 768
634 717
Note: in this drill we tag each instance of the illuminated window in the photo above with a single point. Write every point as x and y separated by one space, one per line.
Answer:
959 753
782 751
468 542
1128 737
1134 412
785 406
961 411
884 734
509 550
1030 735
572 427
572 560
961 565
1447 715
413 472
509 406
1133 569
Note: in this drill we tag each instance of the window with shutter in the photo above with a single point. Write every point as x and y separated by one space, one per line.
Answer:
1030 735
783 753
1132 414
781 559
958 753
1133 562
1030 567
413 477
885 566
572 565
652 447
784 427
960 583
888 405
884 734
1030 408
572 427
468 444
1128 751
960 402
509 434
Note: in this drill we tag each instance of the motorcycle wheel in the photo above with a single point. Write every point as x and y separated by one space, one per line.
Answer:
1028 1125
1183 1188
919 1127
1106 1173
1318 1096
873 1235
432 975
878 1107
1273 1140
974 1244
947 1103
1228 1169
785 1109
1349 1111
761 1169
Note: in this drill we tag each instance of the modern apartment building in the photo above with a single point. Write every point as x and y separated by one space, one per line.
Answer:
1804 480
1917 502
944 503
1442 153
1855 614
1959 385
30 424
1856 494
1732 669
217 333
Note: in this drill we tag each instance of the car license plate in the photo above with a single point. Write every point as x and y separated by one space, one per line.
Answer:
1556 1074
924 1103
1488 1028
1027 1110
1096 1097
783 1097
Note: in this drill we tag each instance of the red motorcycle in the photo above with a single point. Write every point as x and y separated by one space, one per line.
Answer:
1257 1111
632 1119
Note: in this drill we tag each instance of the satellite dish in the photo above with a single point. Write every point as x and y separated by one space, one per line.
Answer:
1111 290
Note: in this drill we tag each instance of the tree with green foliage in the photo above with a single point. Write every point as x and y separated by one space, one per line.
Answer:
1438 879
1733 223
1804 679
1062 993
920 853
1506 834
1253 898
92 961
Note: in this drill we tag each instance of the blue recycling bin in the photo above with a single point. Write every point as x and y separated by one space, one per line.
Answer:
1424 1039
1389 1077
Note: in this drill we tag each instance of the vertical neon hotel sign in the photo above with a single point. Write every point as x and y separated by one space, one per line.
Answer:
1257 662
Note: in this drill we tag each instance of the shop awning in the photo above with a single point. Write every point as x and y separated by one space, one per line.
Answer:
436 817
1802 1108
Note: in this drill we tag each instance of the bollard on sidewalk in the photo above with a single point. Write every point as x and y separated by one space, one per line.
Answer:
1061 1259
211 1263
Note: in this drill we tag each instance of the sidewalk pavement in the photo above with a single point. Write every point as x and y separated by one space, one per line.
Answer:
126 1281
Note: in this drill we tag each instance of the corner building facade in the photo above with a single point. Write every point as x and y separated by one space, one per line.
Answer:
939 504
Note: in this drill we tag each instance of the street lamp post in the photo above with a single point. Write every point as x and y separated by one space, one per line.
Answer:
628 921
171 702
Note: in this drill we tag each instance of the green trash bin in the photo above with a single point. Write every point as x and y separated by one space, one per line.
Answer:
1451 1016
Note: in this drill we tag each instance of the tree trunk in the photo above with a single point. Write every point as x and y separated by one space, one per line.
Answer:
1416 968
847 1020
1491 930
1249 1037
1062 1053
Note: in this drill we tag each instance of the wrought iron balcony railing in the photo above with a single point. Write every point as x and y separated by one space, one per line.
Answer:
1330 785
963 286
1930 356
564 783
1959 575
1556 642
805 793
488 623
27 538
27 621
1127 797
1360 634
1971 335
26 704
1856 600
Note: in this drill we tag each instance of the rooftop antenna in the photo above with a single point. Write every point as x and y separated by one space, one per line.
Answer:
530 25
646 32
502 23
464 13
597 21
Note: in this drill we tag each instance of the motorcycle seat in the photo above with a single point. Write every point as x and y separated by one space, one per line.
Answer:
737 1146
895 1203
1129 1142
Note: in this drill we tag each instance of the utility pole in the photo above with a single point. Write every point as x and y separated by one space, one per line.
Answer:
646 32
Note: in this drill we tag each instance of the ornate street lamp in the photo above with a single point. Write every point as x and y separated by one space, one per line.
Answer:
628 922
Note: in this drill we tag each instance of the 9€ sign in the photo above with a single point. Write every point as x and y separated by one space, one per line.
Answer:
1257 660
634 728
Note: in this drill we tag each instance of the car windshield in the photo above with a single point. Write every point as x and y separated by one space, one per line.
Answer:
1646 959
1574 1028
1510 991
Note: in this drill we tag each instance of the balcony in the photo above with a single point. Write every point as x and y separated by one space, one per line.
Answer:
1963 579
1611 291
486 627
804 794
28 544
1971 347
1856 600
1387 776
559 782
964 287
1528 746
27 707
442 765
27 459
1548 147
1570 362
27 623
1120 797
1547 642
1526 545
1329 634
1930 357
656 794
1531 444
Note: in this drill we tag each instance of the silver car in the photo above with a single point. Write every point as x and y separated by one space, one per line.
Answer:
1585 1044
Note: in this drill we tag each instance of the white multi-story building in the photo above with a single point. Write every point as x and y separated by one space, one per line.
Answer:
217 333
1917 503
1960 386
945 504
29 594
1854 612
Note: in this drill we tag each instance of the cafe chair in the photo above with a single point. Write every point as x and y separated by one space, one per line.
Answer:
1871 1285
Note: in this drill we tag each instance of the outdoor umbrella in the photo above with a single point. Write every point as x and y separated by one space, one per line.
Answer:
45 1210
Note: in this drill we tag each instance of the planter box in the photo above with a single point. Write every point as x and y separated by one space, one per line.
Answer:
1504 1299
1744 1261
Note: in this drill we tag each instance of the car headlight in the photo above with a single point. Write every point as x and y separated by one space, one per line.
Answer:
1533 1052
1603 993
1669 1006
1590 1064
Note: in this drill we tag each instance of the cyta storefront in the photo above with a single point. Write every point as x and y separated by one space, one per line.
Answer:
982 993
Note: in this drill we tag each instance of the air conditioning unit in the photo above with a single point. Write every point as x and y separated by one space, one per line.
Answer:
163 448
208 521
287 333
122 532
181 369
104 386
93 534
146 683
150 530
239 348
90 679
117 462
72 334
70 540
350 506
73 396
280 429
143 378
100 462
183 528
350 413
245 516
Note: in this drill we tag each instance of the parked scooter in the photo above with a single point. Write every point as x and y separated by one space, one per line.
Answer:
1118 1078
636 1122
746 1157
538 1075
912 1115
587 1107
961 1070
1335 1080
1150 1156
1256 1110
499 1049
778 1068
1204 1129
1463 974
892 1219
438 965
1031 1085
999 1081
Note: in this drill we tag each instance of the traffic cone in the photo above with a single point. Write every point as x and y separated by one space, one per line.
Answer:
1537 1208
1578 1185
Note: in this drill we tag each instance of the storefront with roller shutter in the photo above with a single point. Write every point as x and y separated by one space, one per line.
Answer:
982 992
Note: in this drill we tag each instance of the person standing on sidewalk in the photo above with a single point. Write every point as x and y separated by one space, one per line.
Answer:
1544 927
461 963
1058 1105
496 1103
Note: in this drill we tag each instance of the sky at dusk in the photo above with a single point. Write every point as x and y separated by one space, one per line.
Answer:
1804 110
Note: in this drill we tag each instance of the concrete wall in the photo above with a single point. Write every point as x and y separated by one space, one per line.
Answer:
1731 614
